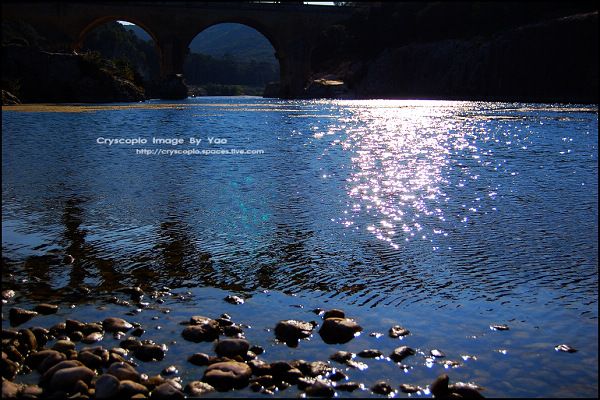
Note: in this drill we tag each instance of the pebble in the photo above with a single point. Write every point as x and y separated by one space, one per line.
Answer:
339 330
566 348
401 353
18 316
65 379
197 388
232 347
112 324
206 332
382 387
397 331
107 386
224 376
292 330
45 309
370 353
234 299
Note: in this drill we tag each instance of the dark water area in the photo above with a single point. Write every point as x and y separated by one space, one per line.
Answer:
444 217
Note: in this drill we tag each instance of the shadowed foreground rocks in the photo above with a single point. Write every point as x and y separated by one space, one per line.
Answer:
44 77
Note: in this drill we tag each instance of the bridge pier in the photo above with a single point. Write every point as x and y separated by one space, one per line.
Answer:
295 67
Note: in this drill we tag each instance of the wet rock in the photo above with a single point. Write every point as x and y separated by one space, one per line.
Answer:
112 324
46 378
278 368
130 343
233 330
232 347
130 388
292 330
107 386
138 331
93 337
63 346
9 389
27 341
166 391
123 371
440 388
149 352
370 353
90 360
503 327
319 368
75 336
437 353
348 386
136 293
259 367
320 388
334 313
52 357
337 375
72 325
401 353
339 330
199 320
66 378
224 376
32 392
41 335
197 388
234 299
9 369
397 331
170 370
406 388
91 328
302 365
45 309
199 359
382 387
342 356
58 329
206 332
8 294
18 316
565 348
13 354
258 350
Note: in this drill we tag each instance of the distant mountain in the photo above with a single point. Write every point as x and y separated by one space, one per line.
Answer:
241 41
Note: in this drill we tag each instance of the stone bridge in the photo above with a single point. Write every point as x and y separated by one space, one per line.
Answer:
291 28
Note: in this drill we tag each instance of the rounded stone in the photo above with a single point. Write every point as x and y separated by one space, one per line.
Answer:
232 347
382 387
401 353
199 359
339 330
18 316
107 386
46 378
66 378
206 332
123 371
130 388
166 391
63 346
92 338
397 331
112 324
320 388
149 352
45 309
224 376
197 388
292 330
52 357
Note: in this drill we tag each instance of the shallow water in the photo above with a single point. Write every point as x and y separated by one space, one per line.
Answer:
444 217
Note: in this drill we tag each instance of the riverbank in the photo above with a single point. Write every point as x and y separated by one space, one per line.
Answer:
165 342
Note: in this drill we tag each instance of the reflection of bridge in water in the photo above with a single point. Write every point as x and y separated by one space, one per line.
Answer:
292 29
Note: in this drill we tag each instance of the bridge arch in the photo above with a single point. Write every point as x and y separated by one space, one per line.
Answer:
111 18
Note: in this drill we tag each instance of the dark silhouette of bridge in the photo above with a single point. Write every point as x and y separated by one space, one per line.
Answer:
291 28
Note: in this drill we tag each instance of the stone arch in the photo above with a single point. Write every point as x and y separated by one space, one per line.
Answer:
270 36
111 18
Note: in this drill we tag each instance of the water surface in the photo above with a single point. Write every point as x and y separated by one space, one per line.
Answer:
442 216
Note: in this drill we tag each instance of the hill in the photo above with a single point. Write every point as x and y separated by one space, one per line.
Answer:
241 41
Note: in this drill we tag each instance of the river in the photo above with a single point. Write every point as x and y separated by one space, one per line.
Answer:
445 217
